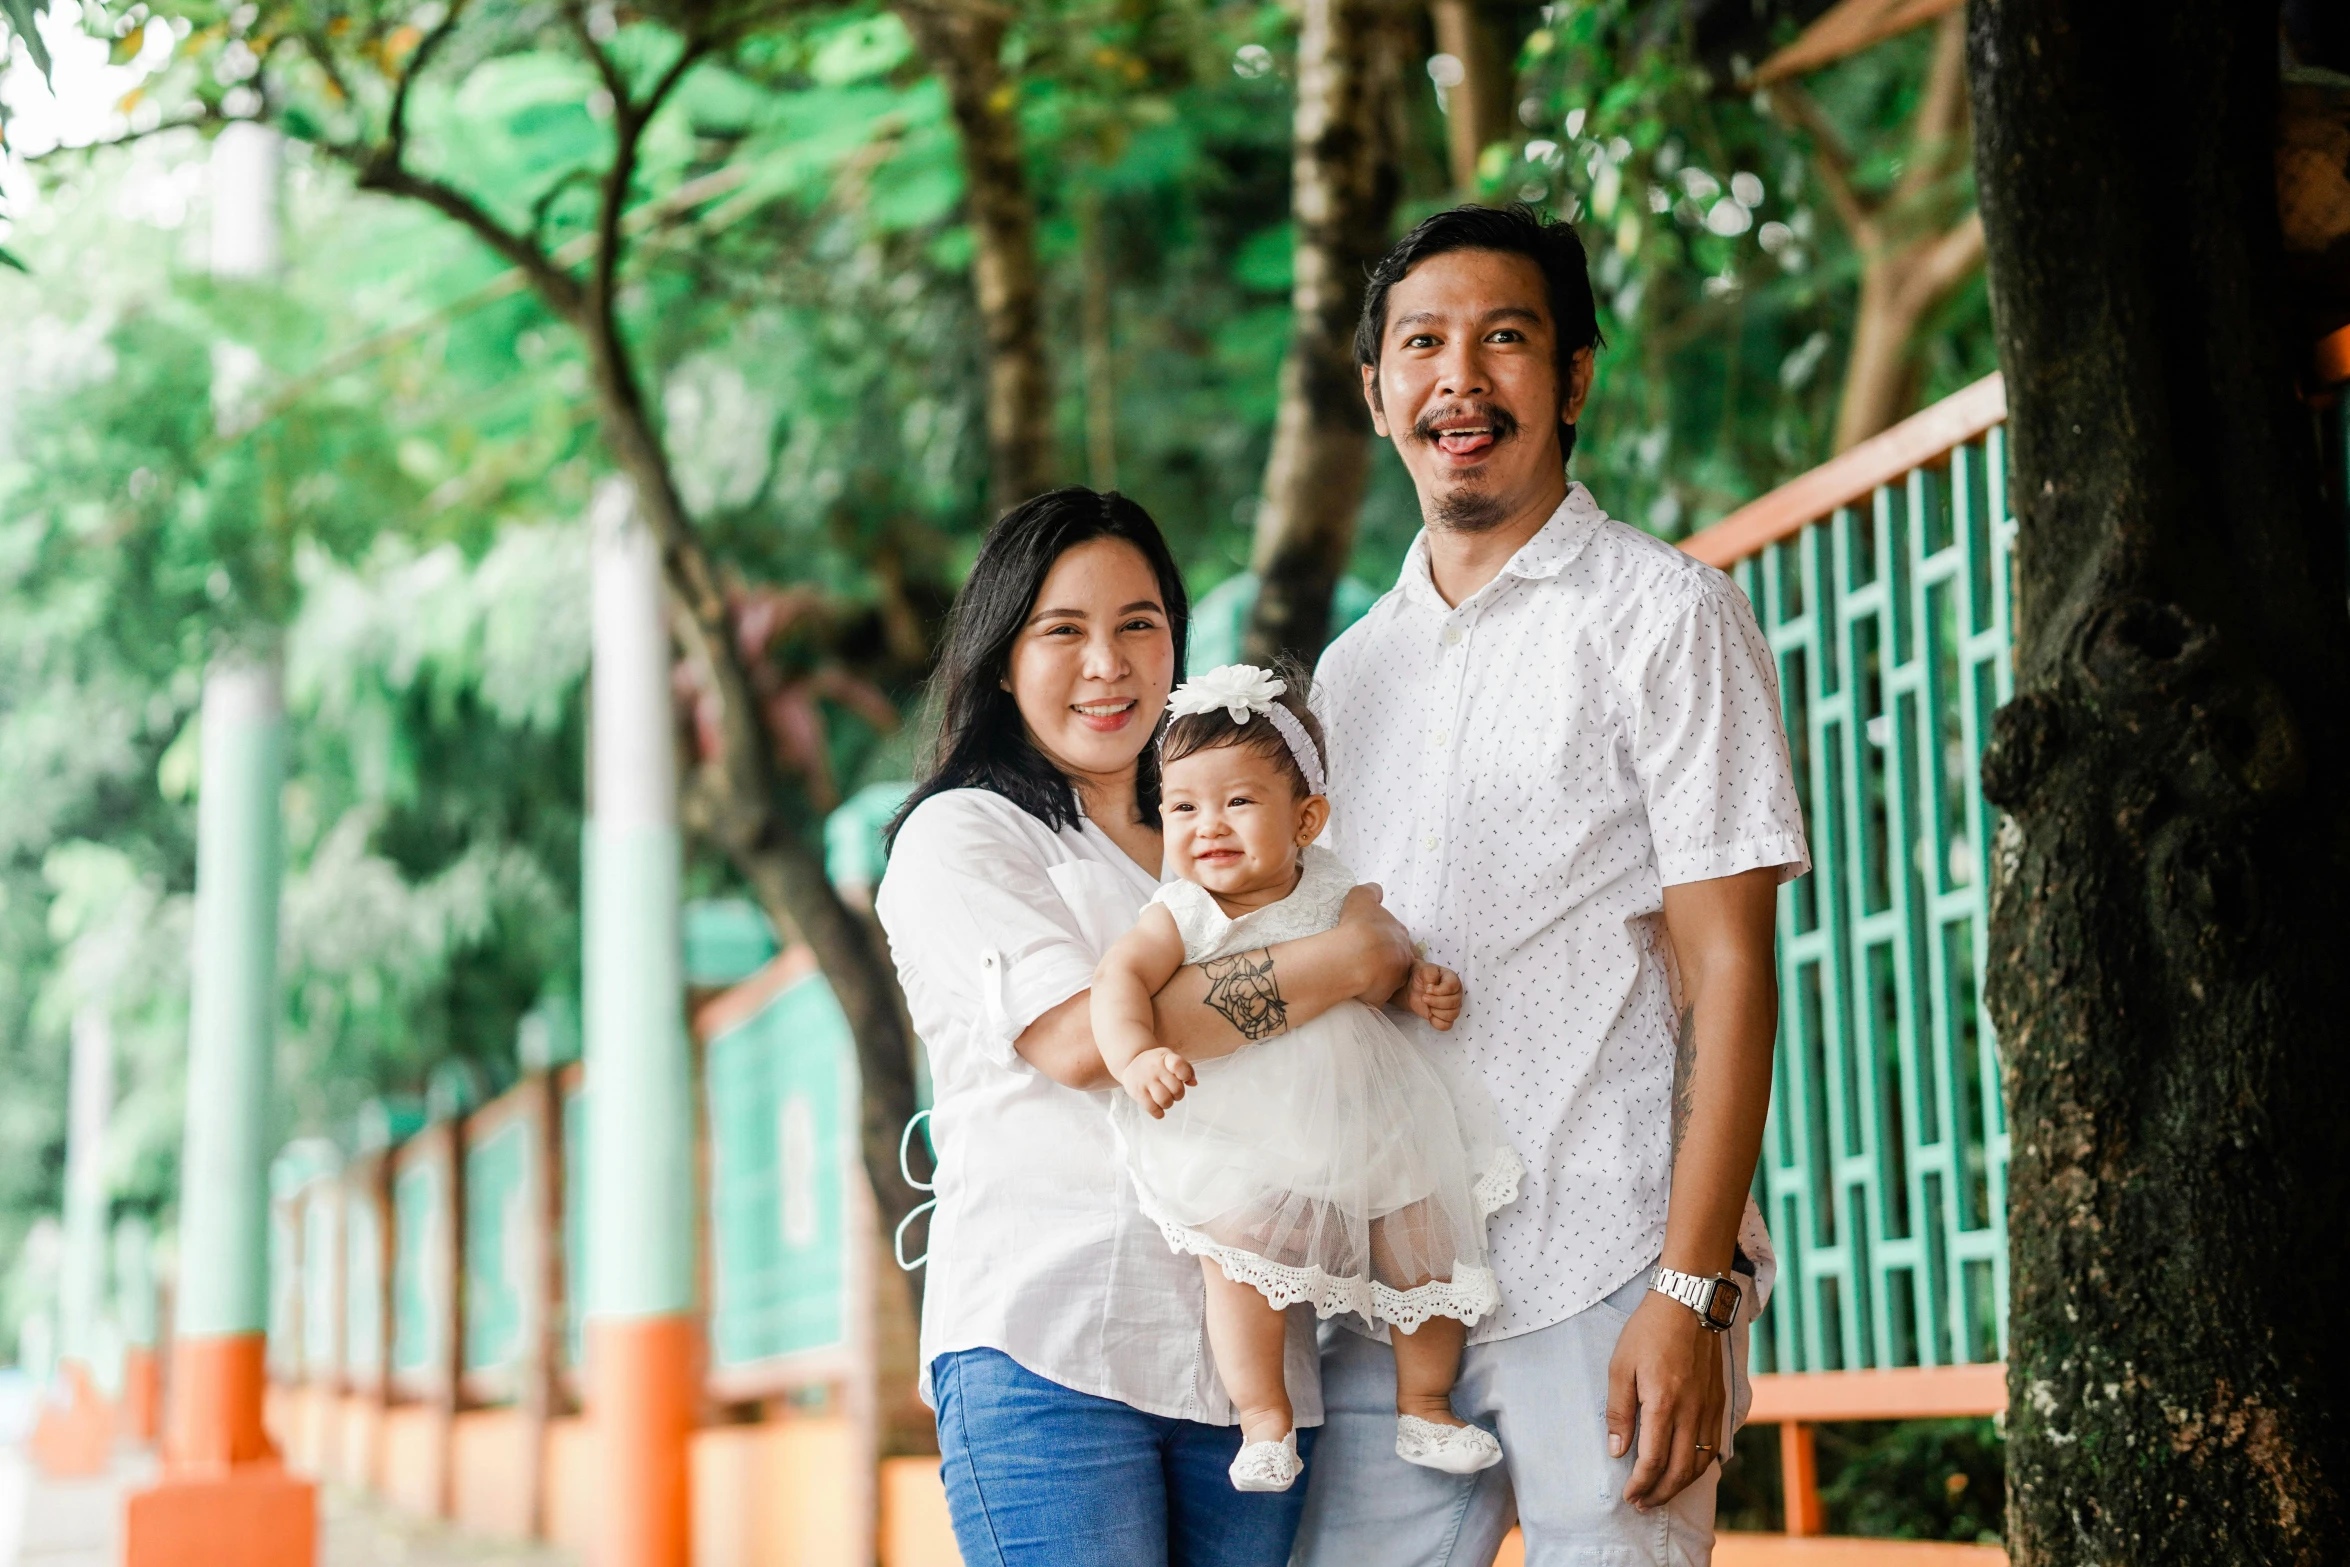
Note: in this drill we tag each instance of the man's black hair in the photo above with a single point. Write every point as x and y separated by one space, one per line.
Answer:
1517 230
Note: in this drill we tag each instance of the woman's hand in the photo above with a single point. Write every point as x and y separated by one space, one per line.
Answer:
1435 994
1156 1078
1383 948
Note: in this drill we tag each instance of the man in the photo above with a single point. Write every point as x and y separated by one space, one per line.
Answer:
1556 743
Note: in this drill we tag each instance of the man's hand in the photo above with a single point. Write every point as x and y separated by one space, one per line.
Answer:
1385 955
1434 992
1664 1395
1156 1078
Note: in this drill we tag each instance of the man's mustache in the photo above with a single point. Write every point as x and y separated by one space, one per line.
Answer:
1493 417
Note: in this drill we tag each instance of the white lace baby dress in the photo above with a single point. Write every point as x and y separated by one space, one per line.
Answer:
1330 1164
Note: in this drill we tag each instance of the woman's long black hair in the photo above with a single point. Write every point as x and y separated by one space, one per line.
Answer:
981 742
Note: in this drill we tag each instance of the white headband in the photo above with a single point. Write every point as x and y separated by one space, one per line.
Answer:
1244 691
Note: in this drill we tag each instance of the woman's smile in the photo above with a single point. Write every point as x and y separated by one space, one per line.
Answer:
1105 717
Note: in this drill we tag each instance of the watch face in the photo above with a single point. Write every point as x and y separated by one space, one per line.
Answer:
1721 1306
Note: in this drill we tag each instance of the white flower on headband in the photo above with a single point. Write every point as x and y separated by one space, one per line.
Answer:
1239 689
1244 692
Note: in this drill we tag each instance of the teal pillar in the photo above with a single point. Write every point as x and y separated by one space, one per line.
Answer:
640 1179
224 1163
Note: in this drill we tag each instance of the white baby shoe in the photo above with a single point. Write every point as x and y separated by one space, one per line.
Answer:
1270 1466
1457 1450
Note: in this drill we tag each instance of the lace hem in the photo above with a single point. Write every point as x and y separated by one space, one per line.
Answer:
1468 1295
1497 1188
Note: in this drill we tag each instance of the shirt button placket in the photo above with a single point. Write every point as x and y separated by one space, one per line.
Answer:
1456 666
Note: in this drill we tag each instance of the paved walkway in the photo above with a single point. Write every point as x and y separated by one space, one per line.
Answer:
49 1523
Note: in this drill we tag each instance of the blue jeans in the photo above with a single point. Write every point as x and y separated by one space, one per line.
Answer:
1040 1476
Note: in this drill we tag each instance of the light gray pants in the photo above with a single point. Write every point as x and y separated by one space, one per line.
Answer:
1545 1395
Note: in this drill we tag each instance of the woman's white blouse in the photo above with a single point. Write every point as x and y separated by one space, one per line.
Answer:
1037 1248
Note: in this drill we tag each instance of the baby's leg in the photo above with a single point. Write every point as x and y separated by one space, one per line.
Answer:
1249 1337
1426 1362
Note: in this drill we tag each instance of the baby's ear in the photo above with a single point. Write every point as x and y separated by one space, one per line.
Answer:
1313 814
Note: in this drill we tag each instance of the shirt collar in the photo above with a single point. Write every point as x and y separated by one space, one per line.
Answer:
1553 547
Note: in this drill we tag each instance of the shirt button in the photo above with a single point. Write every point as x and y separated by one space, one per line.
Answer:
1452 636
1429 843
1440 737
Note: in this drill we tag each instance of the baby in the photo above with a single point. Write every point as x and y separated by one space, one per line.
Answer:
1327 1163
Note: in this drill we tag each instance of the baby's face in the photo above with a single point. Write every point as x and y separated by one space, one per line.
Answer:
1234 823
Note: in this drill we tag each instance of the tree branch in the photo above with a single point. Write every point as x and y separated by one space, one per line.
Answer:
206 116
560 289
1831 158
629 120
1938 265
615 84
1935 133
396 123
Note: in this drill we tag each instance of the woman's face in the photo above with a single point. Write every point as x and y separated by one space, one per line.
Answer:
1092 667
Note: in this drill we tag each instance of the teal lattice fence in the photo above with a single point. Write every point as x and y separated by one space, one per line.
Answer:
1885 1162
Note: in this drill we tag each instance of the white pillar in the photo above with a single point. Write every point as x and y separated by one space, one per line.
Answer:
81 1285
224 1163
640 1108
246 234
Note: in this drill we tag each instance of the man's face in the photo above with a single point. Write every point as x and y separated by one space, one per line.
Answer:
1467 386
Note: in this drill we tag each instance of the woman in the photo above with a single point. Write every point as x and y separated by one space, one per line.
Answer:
1080 1417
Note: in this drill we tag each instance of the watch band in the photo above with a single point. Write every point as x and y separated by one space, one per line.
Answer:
1715 1299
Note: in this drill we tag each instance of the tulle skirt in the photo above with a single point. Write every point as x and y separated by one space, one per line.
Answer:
1333 1165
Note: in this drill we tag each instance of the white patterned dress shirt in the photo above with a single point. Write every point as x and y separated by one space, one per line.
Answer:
1525 773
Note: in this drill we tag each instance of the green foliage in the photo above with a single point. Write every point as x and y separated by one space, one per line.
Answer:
1726 285
1893 1480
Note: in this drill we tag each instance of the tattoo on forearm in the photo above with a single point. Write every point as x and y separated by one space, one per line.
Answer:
1684 1077
1243 988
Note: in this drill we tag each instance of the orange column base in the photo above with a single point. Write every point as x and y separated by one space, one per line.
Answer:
644 1390
75 1439
142 1396
224 1499
256 1516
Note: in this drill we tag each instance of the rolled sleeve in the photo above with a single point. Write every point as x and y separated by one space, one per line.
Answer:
971 909
1710 748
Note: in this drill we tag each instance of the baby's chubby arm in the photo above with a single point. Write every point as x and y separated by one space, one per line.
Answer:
1128 976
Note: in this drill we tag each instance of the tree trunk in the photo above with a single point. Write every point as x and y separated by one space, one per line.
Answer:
2169 899
1477 109
1101 371
739 792
963 40
1351 58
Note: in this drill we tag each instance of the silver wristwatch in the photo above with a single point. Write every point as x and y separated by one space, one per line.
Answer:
1715 1300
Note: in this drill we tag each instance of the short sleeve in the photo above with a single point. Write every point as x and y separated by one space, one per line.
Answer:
1709 747
971 906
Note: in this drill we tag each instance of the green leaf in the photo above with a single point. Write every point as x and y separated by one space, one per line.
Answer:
21 18
8 258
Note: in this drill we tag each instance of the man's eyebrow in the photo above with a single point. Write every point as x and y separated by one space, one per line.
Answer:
1498 313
